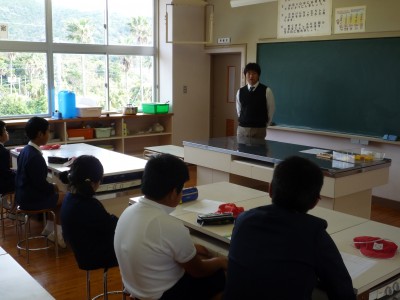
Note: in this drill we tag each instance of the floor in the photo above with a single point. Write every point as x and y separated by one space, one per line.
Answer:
64 280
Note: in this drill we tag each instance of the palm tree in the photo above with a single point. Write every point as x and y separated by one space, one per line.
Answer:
11 57
126 65
141 32
81 31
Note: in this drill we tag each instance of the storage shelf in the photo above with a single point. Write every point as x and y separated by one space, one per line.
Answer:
140 135
133 143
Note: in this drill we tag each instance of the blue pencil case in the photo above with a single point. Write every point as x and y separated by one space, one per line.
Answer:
189 194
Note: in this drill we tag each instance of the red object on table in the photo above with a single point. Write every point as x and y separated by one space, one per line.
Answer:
230 208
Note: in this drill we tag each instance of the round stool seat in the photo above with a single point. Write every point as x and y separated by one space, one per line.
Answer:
23 244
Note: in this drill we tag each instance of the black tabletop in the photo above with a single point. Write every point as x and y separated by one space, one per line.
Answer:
272 152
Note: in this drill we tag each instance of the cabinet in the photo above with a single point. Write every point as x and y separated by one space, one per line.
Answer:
129 133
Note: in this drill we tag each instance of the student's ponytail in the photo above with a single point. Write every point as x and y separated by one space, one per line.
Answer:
85 171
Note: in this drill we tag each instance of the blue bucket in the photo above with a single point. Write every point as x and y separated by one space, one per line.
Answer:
67 104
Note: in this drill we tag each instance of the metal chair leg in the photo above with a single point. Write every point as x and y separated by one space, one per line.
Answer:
105 290
88 297
24 244
105 293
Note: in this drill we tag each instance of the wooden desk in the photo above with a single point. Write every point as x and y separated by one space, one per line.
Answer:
347 186
17 284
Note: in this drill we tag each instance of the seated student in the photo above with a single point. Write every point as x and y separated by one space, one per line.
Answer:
32 190
86 224
7 175
156 255
279 251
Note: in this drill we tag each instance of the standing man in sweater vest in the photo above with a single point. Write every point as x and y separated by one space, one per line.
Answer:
255 105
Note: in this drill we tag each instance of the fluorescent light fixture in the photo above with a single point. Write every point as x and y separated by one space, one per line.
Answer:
189 2
237 3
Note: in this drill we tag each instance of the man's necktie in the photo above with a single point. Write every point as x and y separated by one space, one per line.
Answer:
252 88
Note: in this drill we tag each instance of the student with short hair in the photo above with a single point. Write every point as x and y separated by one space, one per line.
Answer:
279 251
32 190
7 175
156 254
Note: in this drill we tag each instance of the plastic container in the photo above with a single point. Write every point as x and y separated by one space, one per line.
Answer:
67 104
85 112
103 132
155 108
86 133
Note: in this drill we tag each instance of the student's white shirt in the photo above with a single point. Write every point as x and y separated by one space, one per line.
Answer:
30 143
149 243
270 102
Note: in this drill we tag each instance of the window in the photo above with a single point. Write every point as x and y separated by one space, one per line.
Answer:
104 53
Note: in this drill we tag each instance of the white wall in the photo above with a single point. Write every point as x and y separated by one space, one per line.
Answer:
186 65
248 25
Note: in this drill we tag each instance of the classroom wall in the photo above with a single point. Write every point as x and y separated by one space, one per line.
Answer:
247 26
185 65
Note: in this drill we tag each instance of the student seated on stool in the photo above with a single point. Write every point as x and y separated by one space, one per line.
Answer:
7 175
156 255
32 190
279 251
86 224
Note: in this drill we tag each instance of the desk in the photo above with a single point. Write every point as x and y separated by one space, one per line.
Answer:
17 284
250 198
385 268
347 186
342 228
169 149
121 171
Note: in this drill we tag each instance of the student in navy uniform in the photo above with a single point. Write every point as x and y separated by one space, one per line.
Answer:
279 251
32 190
255 105
7 175
86 224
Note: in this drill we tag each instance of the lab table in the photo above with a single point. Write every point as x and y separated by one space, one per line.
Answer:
121 172
18 284
379 275
347 186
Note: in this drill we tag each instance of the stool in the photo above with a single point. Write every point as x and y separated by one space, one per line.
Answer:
128 296
105 289
28 214
6 207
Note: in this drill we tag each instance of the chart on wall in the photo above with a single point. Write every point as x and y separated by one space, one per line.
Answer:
300 18
350 19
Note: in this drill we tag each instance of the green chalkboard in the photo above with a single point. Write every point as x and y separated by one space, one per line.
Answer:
346 86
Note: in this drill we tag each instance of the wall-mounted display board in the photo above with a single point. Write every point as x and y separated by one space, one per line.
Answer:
347 86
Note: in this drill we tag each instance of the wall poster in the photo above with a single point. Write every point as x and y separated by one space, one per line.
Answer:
300 18
350 19
3 31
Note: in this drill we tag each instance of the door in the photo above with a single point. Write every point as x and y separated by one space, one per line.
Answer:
225 81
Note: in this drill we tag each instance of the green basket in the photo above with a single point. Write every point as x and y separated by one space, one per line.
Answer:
155 108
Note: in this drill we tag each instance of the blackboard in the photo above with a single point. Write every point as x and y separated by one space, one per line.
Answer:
347 86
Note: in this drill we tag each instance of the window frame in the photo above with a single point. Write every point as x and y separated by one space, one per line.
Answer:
50 48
